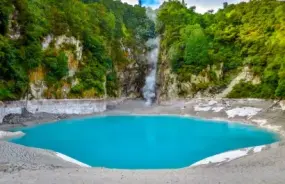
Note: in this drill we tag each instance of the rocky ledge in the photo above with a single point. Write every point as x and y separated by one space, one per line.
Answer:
21 113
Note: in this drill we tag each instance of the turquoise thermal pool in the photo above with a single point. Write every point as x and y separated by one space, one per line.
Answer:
142 142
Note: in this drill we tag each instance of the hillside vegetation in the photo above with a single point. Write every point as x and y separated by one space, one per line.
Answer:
244 35
97 49
103 30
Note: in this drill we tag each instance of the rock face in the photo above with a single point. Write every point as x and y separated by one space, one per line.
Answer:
37 83
132 76
16 112
67 106
245 75
132 80
206 83
14 27
167 87
170 87
13 119
26 116
63 40
6 109
38 87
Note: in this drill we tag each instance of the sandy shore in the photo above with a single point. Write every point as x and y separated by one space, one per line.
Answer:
14 158
266 166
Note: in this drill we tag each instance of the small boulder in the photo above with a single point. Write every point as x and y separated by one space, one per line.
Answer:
110 106
26 113
12 119
282 104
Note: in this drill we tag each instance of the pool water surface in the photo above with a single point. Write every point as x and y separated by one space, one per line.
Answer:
142 142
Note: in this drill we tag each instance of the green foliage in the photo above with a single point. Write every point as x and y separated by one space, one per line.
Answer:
13 78
56 66
280 91
112 84
102 26
77 89
249 34
32 55
196 51
5 11
93 45
245 90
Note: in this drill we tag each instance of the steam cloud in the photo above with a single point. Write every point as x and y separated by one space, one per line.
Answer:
152 58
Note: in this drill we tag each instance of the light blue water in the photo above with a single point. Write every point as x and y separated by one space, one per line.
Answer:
141 142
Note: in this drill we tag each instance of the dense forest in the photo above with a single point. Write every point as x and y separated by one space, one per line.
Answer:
47 39
103 27
237 36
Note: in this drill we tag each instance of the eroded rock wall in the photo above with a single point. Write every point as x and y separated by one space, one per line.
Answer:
38 86
167 85
132 76
68 107
245 75
197 85
210 82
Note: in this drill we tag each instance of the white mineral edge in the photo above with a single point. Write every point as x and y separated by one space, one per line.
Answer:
228 156
243 112
69 159
6 135
222 157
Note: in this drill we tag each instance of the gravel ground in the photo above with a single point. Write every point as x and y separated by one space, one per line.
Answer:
267 167
14 158
19 164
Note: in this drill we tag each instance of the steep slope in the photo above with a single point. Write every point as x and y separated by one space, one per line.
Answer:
241 46
97 49
72 49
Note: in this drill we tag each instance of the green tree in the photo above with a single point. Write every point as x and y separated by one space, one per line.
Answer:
196 51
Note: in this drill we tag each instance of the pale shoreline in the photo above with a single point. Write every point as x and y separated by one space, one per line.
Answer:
228 156
271 120
218 158
215 159
72 160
